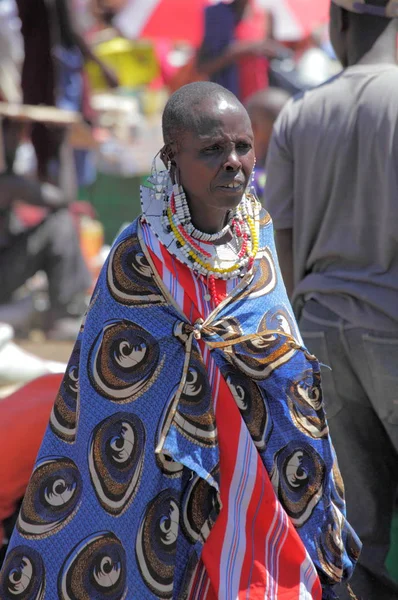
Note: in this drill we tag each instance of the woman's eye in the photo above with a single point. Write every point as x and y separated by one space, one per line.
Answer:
211 149
244 147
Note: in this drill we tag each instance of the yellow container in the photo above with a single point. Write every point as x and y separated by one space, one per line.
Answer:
134 62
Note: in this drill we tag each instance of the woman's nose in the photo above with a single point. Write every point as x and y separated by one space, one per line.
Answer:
232 162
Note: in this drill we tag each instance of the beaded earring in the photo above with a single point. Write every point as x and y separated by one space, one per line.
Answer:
252 186
180 201
159 179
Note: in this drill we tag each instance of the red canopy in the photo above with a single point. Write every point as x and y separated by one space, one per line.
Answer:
177 20
183 19
309 13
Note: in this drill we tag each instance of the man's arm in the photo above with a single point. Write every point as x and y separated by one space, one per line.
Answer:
85 48
88 54
237 50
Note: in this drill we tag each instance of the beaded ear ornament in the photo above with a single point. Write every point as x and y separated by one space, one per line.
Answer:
160 180
251 188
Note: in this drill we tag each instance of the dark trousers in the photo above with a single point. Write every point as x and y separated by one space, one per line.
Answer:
52 247
361 401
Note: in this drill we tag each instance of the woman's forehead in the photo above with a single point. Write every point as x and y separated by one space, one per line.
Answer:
216 118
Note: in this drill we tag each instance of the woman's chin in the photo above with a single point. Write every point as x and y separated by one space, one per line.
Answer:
229 197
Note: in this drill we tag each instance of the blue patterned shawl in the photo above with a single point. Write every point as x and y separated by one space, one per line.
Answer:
108 511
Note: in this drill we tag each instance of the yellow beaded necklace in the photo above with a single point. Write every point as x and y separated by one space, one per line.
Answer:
196 259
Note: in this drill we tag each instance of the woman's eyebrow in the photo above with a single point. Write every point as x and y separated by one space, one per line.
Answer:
210 139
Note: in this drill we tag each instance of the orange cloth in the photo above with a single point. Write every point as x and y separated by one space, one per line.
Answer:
23 419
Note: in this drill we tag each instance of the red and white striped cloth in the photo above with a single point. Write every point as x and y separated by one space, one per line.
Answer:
253 550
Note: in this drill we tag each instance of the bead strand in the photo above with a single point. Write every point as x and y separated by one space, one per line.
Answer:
242 225
213 290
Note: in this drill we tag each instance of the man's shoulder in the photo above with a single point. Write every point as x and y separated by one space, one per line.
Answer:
333 92
307 98
387 80
318 93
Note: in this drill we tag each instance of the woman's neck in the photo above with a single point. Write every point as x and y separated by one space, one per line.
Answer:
210 220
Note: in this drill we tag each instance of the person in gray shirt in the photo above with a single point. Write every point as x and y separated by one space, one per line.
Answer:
332 191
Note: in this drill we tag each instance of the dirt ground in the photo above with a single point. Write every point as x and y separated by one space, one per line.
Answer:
56 351
59 351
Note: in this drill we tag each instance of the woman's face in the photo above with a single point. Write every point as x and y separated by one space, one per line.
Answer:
216 157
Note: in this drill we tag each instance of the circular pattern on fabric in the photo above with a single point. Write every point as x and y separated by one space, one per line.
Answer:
193 417
200 507
338 492
168 466
124 361
265 278
306 405
259 357
96 568
157 542
52 497
130 277
23 576
298 477
252 405
63 419
330 545
278 319
116 460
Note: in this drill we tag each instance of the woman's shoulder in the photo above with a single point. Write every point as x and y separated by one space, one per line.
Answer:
266 234
265 218
126 231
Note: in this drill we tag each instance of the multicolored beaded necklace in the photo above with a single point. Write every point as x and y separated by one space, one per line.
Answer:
200 250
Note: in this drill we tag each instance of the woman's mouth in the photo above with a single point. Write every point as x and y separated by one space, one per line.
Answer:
234 185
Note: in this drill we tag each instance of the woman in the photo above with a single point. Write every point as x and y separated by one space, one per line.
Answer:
187 454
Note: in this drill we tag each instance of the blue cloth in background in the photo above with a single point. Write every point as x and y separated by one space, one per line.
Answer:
220 23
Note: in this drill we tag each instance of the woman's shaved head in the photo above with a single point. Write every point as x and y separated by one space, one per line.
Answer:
182 114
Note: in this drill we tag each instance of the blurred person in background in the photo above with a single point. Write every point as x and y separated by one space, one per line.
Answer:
106 10
236 46
263 108
332 180
55 52
51 246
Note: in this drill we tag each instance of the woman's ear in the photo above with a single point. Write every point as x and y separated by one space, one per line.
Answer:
167 155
